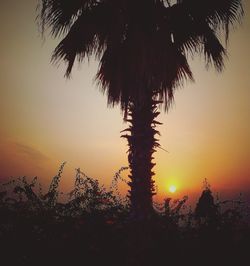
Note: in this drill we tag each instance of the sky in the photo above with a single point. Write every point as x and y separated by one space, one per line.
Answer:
46 119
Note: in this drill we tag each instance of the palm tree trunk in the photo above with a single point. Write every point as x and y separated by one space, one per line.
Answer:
142 144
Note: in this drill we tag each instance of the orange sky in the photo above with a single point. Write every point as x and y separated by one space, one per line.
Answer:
46 119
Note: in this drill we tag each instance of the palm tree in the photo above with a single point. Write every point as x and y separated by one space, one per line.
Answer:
142 47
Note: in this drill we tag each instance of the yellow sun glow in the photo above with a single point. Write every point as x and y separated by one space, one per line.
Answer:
172 189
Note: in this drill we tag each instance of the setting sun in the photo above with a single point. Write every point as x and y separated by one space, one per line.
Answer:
172 189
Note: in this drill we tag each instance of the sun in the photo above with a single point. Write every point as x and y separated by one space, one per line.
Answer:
172 188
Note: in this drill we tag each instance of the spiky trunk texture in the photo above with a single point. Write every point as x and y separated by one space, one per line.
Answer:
142 144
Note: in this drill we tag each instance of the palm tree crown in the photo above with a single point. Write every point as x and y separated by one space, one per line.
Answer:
142 45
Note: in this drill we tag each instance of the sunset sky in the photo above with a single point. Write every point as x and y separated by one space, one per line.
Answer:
47 119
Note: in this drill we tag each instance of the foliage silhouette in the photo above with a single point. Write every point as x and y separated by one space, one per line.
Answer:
206 210
93 227
142 47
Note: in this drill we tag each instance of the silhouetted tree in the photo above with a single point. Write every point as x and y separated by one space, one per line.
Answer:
206 210
142 48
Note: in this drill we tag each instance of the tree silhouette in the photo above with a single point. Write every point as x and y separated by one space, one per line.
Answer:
142 47
206 210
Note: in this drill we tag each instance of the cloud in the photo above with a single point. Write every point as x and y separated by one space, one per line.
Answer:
29 151
19 159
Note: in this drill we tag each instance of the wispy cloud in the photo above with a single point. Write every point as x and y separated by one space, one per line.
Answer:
19 159
29 151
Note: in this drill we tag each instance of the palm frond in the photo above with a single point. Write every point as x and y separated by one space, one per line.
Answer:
59 15
213 50
177 70
90 34
218 13
79 41
195 26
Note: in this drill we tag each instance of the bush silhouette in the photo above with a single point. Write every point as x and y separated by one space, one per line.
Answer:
206 210
93 226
